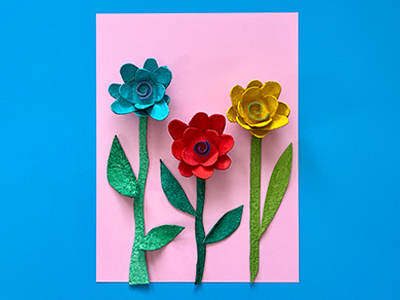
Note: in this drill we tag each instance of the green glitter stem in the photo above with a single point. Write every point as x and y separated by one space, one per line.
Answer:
200 233
138 273
255 176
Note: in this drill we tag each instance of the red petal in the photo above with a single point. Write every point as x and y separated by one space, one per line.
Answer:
217 122
212 158
189 156
177 148
223 162
201 121
192 135
212 136
184 169
203 172
176 129
226 143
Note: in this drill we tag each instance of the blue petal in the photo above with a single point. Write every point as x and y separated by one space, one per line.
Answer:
113 89
166 99
142 75
159 111
141 113
150 64
126 91
143 106
162 75
128 72
159 92
122 107
135 97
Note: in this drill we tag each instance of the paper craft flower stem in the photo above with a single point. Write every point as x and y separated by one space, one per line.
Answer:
199 228
224 227
119 172
255 175
201 147
138 269
276 189
258 110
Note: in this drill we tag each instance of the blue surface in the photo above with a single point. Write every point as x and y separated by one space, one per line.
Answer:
349 166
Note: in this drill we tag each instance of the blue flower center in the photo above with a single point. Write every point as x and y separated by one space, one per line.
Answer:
144 90
202 148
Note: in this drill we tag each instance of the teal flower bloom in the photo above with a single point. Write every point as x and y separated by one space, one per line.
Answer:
143 91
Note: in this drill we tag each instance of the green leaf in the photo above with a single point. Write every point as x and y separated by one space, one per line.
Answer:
119 171
174 192
160 236
225 226
277 187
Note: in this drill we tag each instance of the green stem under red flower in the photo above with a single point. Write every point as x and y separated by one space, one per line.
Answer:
200 233
138 273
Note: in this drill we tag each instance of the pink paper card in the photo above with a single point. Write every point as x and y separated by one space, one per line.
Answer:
208 54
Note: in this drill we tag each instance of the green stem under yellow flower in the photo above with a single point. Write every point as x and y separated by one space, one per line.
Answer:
255 176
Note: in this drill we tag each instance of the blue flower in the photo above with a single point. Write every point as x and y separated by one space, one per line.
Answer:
143 91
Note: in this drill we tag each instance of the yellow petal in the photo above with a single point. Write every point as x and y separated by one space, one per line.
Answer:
259 132
242 123
277 122
231 114
254 82
251 94
261 124
283 109
271 88
272 104
236 94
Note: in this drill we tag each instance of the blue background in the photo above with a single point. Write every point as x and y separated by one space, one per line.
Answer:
349 143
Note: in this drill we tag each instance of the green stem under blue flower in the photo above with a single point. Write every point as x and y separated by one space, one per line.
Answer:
200 233
138 273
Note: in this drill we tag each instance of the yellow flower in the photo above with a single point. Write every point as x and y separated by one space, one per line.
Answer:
257 108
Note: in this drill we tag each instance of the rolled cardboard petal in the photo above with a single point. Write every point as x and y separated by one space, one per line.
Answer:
128 72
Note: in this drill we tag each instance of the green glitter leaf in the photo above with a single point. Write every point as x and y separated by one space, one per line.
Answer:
159 237
119 171
277 187
174 192
225 226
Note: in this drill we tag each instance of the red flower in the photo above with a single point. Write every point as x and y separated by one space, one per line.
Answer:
200 146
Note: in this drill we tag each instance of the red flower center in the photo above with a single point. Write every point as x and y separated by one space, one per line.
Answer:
202 148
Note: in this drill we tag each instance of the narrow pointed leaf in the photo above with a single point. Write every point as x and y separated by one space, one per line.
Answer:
225 226
277 187
119 171
174 192
160 236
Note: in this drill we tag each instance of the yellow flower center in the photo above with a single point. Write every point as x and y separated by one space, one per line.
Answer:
256 112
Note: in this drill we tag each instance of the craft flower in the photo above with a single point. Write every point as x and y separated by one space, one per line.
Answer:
143 91
257 108
201 146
